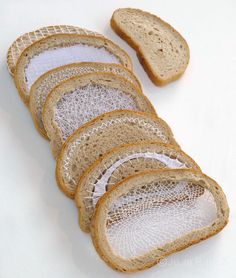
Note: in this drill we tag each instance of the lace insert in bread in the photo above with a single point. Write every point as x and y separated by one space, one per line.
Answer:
63 49
82 98
21 43
156 213
50 59
92 141
44 85
119 164
86 103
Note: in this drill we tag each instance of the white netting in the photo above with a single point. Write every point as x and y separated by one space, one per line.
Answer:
54 78
149 216
27 39
100 187
144 129
86 103
54 58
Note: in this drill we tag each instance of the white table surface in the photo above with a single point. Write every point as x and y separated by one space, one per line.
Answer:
39 232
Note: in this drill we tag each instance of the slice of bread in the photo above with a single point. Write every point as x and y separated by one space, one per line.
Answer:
80 99
154 214
62 49
119 164
97 137
22 42
44 84
162 51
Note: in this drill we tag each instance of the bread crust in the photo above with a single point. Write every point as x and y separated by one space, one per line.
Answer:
23 41
37 83
79 202
59 163
157 80
46 43
155 256
51 127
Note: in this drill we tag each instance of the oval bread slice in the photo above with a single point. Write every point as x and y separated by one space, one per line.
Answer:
97 137
82 98
162 51
22 42
154 214
45 83
119 164
62 49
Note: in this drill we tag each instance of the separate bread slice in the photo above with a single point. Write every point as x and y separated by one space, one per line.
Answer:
120 163
162 51
154 214
44 84
80 99
22 42
62 49
97 137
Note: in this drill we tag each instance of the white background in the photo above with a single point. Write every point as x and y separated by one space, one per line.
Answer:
39 232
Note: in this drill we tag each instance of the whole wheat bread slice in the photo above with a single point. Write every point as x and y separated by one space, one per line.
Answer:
120 163
97 137
162 51
45 83
62 49
80 99
25 40
154 214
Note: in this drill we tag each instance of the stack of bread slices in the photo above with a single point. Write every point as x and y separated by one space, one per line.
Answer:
138 193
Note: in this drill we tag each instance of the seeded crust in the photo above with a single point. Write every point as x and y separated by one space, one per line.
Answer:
57 41
22 42
98 228
144 52
45 83
100 135
107 79
85 188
